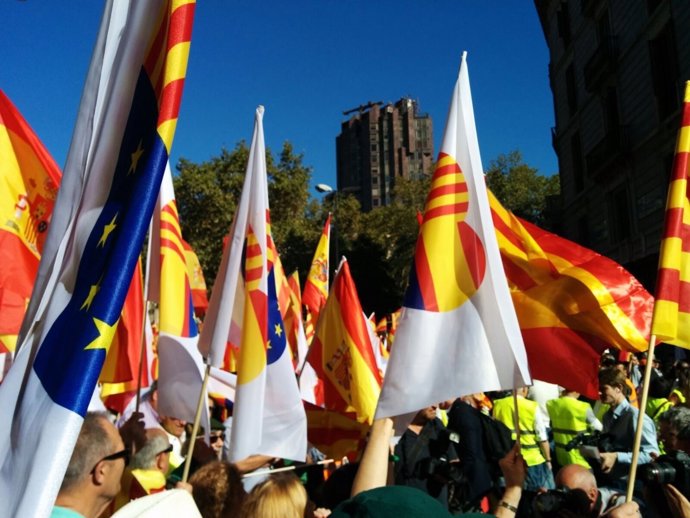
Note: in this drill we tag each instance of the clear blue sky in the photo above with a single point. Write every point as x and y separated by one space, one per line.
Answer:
306 61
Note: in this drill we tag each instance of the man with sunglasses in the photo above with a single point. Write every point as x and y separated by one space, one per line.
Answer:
93 475
146 474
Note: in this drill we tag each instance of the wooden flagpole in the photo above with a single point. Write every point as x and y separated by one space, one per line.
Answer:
197 420
640 420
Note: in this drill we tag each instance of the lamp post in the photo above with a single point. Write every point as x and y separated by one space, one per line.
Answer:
327 189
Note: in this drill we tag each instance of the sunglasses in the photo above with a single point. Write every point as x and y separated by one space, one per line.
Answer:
217 437
123 454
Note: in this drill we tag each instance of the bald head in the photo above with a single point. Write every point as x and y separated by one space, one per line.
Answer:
574 476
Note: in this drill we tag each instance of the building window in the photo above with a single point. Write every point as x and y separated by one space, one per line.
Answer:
664 62
563 19
578 163
571 89
619 214
375 180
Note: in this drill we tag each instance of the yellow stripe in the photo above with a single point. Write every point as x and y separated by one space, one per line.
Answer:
677 197
671 249
176 4
687 92
176 62
447 199
683 145
166 130
447 179
445 160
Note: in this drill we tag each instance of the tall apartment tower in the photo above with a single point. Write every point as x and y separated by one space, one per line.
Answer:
379 144
617 71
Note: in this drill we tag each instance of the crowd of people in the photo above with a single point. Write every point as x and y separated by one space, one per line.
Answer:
558 455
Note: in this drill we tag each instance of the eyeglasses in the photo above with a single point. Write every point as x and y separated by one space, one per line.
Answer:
123 454
217 437
167 450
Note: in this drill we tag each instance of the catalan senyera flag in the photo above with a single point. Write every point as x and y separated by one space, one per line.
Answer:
180 365
29 179
671 322
571 302
342 353
458 332
197 283
316 287
268 415
113 172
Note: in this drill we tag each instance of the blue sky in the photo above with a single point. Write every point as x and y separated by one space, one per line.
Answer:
306 61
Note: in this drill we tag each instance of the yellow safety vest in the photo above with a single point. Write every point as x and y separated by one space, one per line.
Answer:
656 407
527 410
568 418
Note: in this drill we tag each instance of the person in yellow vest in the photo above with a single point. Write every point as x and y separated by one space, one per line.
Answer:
658 398
534 444
570 416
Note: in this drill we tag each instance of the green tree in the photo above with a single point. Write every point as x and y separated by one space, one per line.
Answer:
207 195
520 188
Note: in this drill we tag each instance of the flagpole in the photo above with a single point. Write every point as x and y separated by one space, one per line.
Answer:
516 418
143 320
640 419
195 428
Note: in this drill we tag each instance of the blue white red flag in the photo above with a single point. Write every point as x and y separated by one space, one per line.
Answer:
119 149
458 333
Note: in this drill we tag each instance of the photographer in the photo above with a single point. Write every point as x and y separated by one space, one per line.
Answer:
669 474
620 422
425 455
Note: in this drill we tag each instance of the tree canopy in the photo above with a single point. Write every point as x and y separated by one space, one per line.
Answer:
379 244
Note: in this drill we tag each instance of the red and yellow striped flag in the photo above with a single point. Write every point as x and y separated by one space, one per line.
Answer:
316 287
571 302
671 322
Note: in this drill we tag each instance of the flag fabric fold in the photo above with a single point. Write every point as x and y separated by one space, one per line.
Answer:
571 302
671 323
111 179
458 333
268 415
342 353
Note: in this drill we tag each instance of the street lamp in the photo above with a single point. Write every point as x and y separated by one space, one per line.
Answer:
327 189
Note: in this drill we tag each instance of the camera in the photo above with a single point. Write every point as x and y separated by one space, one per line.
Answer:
671 468
603 441
550 503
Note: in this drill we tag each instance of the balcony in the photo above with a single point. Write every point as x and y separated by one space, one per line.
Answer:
609 155
602 64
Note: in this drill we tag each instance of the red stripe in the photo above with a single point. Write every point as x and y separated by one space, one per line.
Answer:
181 25
686 115
445 210
252 274
671 288
156 49
424 279
172 245
673 226
171 100
453 188
516 275
171 227
444 170
253 251
680 166
473 248
504 229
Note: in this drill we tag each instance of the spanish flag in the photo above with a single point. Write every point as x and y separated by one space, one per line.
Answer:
29 179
